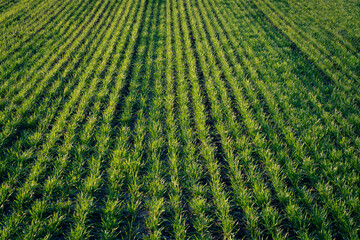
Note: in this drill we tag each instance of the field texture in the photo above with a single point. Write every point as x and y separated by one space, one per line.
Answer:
179 119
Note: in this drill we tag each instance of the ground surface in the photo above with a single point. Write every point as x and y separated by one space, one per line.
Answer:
178 119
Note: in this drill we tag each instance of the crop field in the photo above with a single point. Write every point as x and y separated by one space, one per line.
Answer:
179 119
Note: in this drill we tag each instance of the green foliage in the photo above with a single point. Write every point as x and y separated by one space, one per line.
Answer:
179 119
